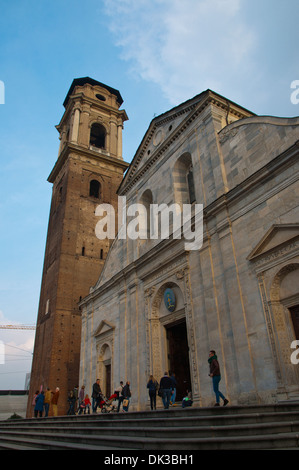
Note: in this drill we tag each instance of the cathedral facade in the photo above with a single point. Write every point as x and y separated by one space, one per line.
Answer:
159 306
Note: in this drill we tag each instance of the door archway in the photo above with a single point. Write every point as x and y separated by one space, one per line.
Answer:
178 356
284 302
169 338
105 370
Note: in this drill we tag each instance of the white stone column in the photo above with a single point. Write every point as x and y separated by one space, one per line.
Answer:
113 138
119 141
62 141
75 126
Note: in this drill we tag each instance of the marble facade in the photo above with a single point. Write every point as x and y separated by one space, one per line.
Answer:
236 293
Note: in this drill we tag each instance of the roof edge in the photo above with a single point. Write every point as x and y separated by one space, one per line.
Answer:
82 81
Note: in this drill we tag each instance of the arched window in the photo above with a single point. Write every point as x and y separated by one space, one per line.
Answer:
95 189
146 200
184 180
98 136
191 188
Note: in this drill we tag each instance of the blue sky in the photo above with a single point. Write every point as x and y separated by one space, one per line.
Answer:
157 53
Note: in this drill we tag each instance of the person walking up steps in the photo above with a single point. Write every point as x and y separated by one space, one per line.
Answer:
216 377
152 386
166 386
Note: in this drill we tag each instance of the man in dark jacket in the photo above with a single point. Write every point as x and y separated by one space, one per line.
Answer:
96 394
166 386
126 393
216 377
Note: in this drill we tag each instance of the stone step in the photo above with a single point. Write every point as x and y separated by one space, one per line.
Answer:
22 442
209 413
190 421
168 431
73 441
14 445
248 427
200 411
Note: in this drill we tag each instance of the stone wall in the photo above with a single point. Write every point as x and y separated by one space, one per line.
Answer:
13 402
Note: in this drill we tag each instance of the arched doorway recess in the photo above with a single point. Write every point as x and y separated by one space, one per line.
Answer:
170 334
284 303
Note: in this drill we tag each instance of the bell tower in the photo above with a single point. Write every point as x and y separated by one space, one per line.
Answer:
88 171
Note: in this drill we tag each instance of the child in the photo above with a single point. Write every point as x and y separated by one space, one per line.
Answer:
187 401
87 404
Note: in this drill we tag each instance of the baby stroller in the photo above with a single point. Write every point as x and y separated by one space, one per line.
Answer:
106 404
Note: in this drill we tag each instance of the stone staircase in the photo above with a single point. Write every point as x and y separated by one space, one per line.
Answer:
221 428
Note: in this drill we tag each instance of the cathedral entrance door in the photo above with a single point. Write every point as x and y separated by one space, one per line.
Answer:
178 357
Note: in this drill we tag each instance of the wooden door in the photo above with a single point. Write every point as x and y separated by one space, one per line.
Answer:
178 357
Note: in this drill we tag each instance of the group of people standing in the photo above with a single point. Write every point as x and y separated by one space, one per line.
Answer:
122 394
42 401
79 402
166 389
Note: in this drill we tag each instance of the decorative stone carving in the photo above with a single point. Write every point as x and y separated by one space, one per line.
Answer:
180 279
274 257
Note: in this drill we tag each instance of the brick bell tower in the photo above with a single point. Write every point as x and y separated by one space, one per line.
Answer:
88 171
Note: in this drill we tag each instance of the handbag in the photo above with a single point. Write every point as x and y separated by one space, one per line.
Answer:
160 392
125 402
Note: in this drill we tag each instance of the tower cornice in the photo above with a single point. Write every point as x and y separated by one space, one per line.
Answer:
70 148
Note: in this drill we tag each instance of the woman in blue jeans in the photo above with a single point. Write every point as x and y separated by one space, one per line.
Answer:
216 377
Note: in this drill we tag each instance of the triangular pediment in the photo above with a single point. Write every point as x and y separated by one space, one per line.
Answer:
161 132
277 236
104 327
166 128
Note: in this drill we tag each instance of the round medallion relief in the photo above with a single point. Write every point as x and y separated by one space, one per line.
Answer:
158 137
169 300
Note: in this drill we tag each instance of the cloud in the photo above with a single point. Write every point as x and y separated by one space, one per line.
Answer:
184 47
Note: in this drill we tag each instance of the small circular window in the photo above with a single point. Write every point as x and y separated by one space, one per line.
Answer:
101 97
